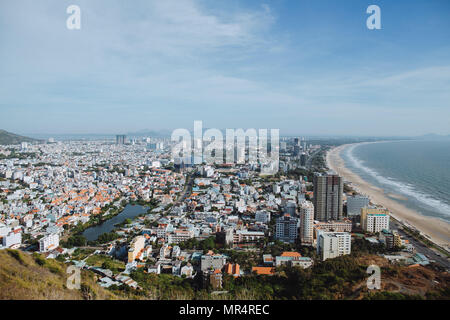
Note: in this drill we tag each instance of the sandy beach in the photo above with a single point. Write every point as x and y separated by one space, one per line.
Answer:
437 230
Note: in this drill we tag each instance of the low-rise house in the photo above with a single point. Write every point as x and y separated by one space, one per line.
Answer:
232 269
263 270
293 259
213 278
212 261
286 257
164 251
187 271
176 268
154 268
268 259
176 252
303 262
127 280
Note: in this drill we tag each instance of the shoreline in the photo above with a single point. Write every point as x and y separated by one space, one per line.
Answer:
436 230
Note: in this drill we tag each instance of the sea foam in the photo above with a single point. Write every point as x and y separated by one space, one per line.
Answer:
406 189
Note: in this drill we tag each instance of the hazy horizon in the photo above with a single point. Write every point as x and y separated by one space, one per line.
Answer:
167 133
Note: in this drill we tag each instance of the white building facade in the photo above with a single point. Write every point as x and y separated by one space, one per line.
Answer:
49 242
333 244
306 222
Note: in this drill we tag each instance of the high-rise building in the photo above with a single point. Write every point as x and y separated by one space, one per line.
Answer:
328 192
120 139
287 228
374 219
333 244
355 204
306 222
303 158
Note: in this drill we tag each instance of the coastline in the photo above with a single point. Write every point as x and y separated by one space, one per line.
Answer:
437 230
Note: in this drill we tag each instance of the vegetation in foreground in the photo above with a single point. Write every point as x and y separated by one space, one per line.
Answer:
26 276
31 276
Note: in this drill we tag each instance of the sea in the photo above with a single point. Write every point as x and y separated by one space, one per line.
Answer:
415 173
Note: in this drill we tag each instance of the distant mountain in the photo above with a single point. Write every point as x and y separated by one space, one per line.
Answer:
150 133
434 136
11 138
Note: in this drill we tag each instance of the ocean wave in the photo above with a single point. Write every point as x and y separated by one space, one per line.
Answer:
406 189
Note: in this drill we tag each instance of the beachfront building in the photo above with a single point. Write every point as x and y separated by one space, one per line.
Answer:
306 222
390 239
328 194
374 219
333 244
355 203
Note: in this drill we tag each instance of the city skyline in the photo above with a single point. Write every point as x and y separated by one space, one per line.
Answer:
305 68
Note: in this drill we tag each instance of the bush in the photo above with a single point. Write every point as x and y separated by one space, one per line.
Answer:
16 255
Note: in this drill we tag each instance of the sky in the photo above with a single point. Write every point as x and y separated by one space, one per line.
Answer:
304 67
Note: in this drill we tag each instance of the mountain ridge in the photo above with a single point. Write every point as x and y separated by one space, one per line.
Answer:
8 138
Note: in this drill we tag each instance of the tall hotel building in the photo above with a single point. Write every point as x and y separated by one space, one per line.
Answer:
306 222
121 139
328 193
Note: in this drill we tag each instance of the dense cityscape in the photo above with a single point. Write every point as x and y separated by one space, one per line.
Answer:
206 227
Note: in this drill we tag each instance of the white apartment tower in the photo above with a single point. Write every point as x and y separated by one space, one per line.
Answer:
306 222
